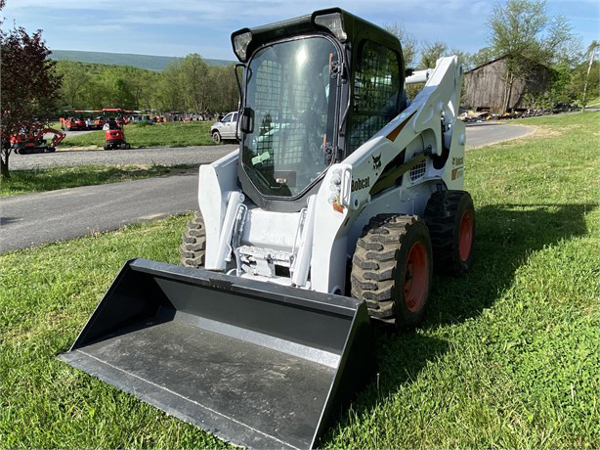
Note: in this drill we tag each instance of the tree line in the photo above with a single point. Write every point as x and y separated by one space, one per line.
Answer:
186 85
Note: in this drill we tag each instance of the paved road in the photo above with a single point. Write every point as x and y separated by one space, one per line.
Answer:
34 219
479 134
161 155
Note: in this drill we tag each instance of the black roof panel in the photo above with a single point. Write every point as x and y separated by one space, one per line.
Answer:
353 26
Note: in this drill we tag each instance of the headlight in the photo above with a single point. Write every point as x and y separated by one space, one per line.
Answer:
334 23
240 44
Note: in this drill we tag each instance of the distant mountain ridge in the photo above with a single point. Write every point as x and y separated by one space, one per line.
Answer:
156 63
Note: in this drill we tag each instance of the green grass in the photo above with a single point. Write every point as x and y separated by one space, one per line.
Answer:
170 134
508 356
39 180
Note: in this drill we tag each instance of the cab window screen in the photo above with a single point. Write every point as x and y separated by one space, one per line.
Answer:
376 96
292 95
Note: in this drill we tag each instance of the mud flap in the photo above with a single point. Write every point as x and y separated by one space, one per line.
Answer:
254 363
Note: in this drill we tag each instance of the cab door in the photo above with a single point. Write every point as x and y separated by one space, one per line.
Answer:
227 127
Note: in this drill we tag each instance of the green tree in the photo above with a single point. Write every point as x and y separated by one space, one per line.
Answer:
224 93
94 93
580 77
591 52
407 41
29 86
169 92
464 58
523 33
431 52
560 80
482 56
194 73
74 78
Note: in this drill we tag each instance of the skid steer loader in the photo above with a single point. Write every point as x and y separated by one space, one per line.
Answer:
342 198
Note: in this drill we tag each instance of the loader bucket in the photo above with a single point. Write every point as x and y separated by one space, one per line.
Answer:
255 363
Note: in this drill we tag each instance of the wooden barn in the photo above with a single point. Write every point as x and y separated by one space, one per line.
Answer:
486 89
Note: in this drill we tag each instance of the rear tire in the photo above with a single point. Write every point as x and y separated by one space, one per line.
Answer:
392 269
450 217
216 137
127 146
107 147
193 242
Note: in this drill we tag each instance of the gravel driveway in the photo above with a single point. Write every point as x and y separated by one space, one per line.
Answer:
160 155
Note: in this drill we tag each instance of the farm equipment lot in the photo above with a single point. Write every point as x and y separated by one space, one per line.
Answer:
477 135
510 352
171 134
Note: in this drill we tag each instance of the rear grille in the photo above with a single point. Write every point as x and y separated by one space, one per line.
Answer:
418 171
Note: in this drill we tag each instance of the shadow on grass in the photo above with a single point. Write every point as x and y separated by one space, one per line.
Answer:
506 236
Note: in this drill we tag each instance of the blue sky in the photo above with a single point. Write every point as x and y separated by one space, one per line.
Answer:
180 27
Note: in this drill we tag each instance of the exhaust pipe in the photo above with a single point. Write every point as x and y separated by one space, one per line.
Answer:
257 364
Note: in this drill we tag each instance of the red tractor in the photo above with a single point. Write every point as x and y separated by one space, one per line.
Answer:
118 114
72 123
114 135
99 122
32 140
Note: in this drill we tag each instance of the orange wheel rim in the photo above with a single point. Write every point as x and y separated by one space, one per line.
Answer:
465 239
416 278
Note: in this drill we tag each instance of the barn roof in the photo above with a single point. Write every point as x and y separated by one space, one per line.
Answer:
496 60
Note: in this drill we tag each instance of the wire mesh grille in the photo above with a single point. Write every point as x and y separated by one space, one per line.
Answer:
281 133
376 88
418 171
291 113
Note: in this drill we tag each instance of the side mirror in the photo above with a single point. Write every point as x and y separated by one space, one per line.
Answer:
247 120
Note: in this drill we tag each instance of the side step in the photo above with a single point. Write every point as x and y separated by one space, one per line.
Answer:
254 363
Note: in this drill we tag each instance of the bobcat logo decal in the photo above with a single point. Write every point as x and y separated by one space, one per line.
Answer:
376 162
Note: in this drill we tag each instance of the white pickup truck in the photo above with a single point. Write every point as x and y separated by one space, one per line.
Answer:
224 128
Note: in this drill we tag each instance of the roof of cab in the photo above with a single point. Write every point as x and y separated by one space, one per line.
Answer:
354 26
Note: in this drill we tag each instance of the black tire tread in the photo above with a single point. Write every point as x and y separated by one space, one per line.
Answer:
374 263
440 217
193 243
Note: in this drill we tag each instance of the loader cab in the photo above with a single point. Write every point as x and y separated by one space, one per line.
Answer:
313 90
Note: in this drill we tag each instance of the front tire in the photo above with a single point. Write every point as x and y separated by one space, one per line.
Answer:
392 269
216 136
450 217
193 242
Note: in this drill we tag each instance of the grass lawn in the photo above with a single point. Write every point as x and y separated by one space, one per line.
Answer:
170 134
508 356
38 180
